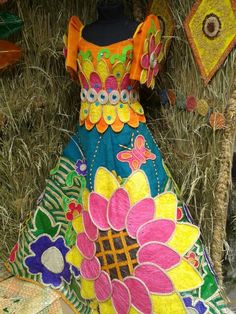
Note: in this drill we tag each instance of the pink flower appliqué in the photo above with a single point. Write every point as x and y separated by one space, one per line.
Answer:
153 255
149 60
129 247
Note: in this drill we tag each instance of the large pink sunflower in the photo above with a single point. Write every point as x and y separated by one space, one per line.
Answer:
128 251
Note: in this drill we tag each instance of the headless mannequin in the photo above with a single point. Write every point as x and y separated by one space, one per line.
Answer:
111 26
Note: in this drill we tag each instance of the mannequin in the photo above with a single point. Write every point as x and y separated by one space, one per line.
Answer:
111 26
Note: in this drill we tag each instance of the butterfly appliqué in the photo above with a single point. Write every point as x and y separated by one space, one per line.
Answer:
137 155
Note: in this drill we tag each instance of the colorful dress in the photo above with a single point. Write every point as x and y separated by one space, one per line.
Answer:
110 231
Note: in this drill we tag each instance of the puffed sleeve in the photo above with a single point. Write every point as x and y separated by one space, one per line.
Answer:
147 52
74 29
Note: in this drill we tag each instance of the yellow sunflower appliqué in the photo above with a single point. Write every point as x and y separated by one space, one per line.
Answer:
211 31
131 250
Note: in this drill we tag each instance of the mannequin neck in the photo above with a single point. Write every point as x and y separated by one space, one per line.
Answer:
107 13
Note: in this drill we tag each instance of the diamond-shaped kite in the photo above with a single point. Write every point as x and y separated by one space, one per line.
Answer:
211 31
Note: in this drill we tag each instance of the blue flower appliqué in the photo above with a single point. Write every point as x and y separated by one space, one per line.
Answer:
197 307
49 260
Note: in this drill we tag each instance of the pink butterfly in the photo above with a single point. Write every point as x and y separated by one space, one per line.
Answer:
136 156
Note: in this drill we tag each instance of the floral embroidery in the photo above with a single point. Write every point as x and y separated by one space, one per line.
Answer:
81 167
151 58
136 156
197 307
52 269
126 220
74 209
14 250
192 258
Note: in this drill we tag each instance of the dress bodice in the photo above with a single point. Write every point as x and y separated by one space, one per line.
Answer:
110 75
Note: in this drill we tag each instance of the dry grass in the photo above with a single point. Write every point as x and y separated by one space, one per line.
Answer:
189 145
39 109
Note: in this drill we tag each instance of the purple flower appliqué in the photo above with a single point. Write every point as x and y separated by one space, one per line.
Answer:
195 307
49 260
81 167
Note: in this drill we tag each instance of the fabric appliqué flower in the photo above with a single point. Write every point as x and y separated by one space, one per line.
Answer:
130 249
151 57
136 156
74 210
49 260
197 307
192 258
81 167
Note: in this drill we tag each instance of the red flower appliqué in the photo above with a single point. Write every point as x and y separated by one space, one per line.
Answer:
191 257
74 209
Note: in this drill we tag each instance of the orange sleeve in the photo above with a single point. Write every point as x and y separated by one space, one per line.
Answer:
74 29
143 47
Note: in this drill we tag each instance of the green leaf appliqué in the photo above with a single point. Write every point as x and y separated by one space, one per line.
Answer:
44 223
